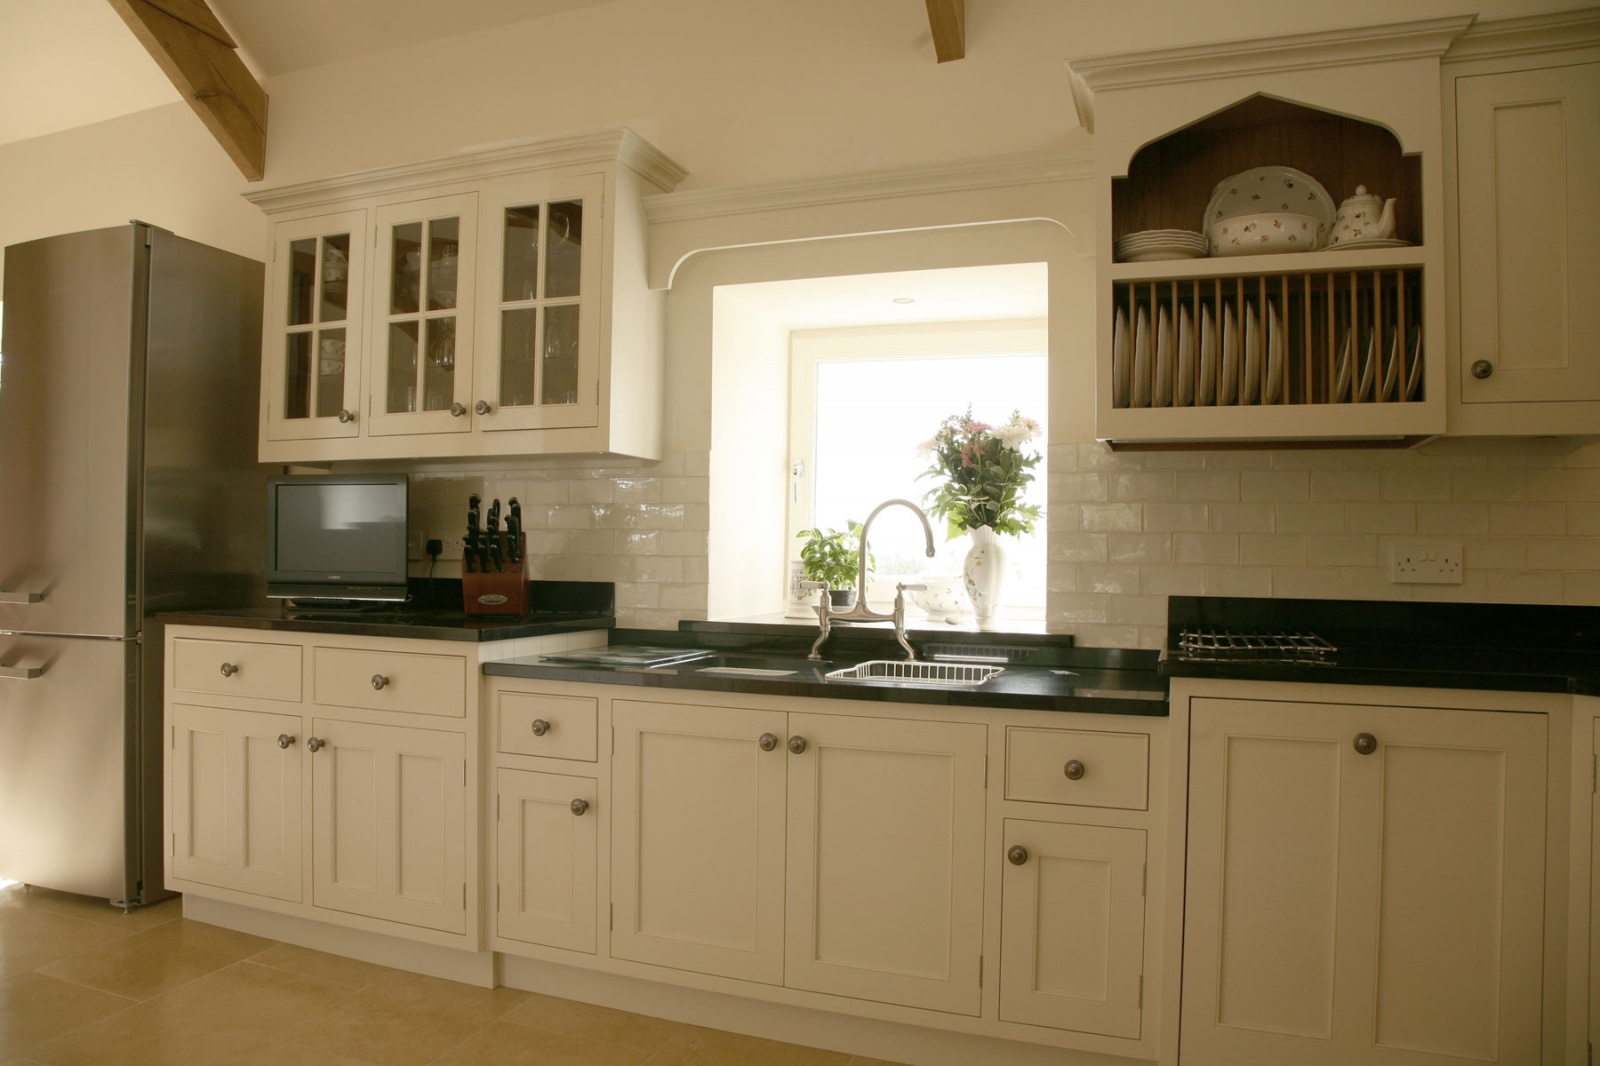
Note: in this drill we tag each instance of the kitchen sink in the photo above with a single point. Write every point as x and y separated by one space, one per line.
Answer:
901 672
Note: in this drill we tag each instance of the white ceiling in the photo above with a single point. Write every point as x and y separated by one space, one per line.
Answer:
68 63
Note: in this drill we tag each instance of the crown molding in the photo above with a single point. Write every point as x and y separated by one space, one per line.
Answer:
1555 31
512 157
1418 39
963 176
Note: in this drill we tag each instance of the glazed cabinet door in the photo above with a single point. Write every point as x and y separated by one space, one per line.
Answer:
1072 927
388 822
885 860
1528 153
422 319
235 799
312 343
1365 885
697 831
542 260
546 839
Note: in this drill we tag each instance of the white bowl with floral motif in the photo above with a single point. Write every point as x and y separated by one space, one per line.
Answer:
1269 233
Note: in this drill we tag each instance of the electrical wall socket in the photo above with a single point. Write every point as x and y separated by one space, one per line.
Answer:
1431 563
417 545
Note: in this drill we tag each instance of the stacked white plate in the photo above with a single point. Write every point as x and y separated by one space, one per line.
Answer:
1148 246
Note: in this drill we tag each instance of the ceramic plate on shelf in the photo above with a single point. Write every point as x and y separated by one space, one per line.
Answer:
1119 360
1391 370
1414 374
1228 379
1341 376
1274 393
1141 359
1250 385
1183 387
1205 383
1272 189
1368 372
1164 357
1371 242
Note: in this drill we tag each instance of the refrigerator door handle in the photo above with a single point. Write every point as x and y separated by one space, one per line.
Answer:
21 673
21 597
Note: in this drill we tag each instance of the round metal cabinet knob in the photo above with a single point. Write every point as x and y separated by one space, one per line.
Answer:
1366 743
797 744
457 410
228 669
767 742
379 681
285 740
1073 770
540 727
1482 368
482 407
347 416
579 806
1016 855
315 745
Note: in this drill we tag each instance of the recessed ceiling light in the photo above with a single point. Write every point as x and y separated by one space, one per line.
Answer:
904 300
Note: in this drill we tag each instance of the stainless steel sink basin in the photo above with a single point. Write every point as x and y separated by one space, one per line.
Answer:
900 672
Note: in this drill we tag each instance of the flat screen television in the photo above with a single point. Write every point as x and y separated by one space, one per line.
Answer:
337 537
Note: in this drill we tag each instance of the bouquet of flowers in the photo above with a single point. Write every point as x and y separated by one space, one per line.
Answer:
984 469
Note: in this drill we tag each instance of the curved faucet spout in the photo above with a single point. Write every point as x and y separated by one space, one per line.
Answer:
861 560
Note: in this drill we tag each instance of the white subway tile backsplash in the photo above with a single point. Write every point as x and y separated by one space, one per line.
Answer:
1324 518
1139 547
1243 518
1524 586
1205 548
1209 485
1489 485
1175 517
1077 547
1458 519
1275 485
1137 610
1276 549
1333 485
1397 518
1143 486
1099 577
1583 519
1106 517
1093 487
1173 580
1563 553
1415 485
1342 550
1522 519
1238 581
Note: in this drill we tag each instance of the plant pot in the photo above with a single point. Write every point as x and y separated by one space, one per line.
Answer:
842 598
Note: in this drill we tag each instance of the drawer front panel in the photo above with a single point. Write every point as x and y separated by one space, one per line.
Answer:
556 727
390 681
1082 767
237 668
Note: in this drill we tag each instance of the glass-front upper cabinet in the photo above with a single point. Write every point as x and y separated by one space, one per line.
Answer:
312 341
421 358
539 368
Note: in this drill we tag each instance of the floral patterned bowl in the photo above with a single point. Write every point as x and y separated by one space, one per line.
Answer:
944 600
1265 234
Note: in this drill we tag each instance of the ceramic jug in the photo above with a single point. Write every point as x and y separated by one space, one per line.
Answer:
1363 217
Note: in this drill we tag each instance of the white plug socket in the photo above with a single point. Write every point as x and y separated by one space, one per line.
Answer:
1425 563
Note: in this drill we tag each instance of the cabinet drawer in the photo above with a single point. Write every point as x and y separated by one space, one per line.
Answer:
237 668
1115 767
569 725
390 681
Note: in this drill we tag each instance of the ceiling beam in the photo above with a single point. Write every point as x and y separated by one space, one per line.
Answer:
948 19
202 61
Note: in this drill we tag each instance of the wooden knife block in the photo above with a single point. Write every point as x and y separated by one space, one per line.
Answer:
498 592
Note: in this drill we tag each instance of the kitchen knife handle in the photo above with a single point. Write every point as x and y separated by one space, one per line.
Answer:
22 673
21 597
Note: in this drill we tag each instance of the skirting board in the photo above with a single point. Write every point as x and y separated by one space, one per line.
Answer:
892 1041
472 968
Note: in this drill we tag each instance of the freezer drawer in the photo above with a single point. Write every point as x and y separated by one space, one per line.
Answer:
69 771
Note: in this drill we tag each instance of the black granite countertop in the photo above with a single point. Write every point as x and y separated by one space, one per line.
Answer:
1491 647
434 613
1041 672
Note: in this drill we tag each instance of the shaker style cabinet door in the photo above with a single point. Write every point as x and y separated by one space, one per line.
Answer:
885 866
388 820
236 799
422 316
1365 885
546 858
697 830
540 332
312 340
1528 153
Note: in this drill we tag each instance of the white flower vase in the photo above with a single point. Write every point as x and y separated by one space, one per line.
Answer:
984 573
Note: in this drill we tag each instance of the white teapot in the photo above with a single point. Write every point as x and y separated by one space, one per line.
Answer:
1363 217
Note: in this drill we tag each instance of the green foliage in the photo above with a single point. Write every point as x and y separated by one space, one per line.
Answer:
831 555
984 470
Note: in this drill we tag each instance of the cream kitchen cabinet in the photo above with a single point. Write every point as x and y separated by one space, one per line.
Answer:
829 853
492 303
1072 925
324 777
1365 884
1523 128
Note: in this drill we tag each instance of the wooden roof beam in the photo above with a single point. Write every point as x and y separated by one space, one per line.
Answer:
195 52
948 19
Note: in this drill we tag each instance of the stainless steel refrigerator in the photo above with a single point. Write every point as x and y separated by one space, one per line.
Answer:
129 373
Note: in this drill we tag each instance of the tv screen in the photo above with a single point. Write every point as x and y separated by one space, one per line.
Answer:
337 536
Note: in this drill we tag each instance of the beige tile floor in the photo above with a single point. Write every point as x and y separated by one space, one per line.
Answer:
82 984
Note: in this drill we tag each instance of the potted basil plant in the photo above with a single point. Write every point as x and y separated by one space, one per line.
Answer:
832 556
